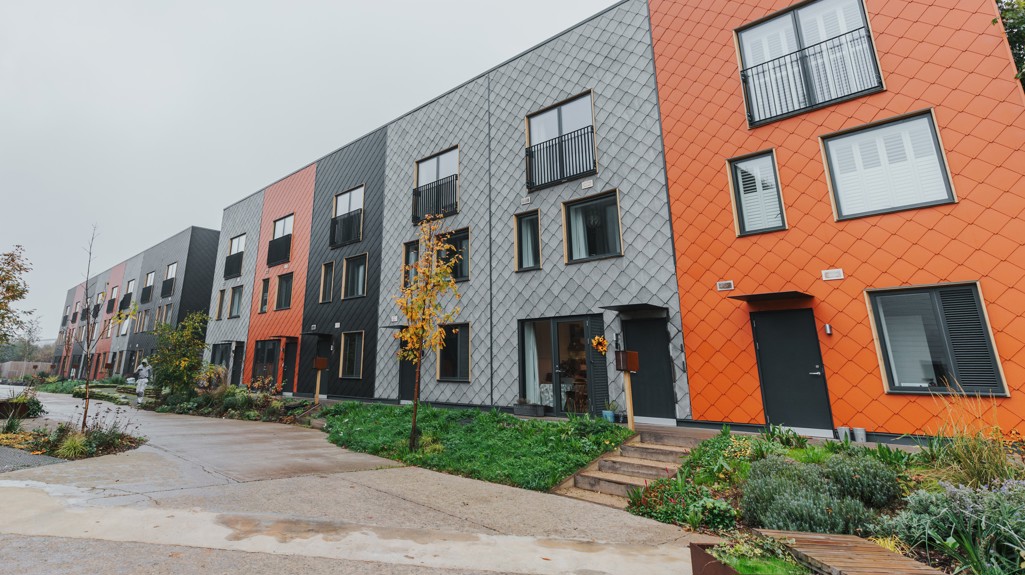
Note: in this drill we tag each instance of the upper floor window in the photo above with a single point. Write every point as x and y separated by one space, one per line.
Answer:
756 194
354 276
327 281
437 186
806 58
147 288
149 279
410 257
236 251
560 143
264 294
460 242
347 223
114 292
129 289
592 228
172 271
237 244
284 300
219 314
888 167
528 242
936 339
167 288
279 250
235 303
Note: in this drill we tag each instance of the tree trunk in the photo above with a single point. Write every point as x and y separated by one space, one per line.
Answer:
416 400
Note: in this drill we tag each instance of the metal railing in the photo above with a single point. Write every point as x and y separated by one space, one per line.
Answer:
147 294
233 265
811 77
279 250
561 159
167 288
439 198
347 228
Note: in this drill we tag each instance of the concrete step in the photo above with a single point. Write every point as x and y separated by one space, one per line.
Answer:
610 483
641 468
676 439
645 450
605 499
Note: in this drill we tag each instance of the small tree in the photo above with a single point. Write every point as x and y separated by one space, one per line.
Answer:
13 288
1012 13
419 301
178 358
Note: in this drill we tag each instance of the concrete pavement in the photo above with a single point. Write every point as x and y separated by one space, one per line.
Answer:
236 492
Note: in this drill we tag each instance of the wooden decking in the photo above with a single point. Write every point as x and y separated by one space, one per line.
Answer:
848 555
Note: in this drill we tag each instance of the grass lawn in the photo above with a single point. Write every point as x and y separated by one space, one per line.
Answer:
768 566
491 446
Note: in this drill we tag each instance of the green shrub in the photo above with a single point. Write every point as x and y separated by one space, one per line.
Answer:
66 386
723 459
712 514
863 478
74 446
670 500
175 399
785 436
11 425
784 494
811 454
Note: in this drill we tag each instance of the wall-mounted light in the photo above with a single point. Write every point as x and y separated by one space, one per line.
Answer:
616 340
829 329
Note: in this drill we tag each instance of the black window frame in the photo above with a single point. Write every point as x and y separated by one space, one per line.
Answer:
330 277
232 307
569 230
995 389
409 274
346 338
737 190
533 186
284 280
944 166
517 222
336 218
365 256
463 265
792 12
457 331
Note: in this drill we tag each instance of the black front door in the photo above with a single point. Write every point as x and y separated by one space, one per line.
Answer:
265 360
407 378
238 357
790 369
653 393
288 370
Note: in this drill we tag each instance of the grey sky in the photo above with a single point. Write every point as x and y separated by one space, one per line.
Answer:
148 117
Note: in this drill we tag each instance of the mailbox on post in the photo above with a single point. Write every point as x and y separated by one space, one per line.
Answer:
319 364
627 361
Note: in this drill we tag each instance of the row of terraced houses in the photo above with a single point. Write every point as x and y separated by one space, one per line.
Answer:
805 213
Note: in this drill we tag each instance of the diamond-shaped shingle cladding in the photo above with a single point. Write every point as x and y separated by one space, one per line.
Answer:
609 55
935 54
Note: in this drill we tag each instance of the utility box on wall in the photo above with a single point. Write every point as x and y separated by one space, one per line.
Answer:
320 363
627 361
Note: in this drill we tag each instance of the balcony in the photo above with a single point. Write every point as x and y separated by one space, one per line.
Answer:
279 250
110 306
440 198
96 311
167 288
64 321
561 159
126 302
822 74
147 295
233 265
347 228
74 318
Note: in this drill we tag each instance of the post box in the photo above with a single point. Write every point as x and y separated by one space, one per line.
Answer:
627 361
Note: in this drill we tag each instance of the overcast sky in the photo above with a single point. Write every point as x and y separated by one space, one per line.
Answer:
148 117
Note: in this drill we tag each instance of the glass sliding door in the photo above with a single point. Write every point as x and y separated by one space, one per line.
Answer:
538 367
554 363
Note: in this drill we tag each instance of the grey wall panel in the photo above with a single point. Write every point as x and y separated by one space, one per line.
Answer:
198 273
156 259
359 163
242 217
459 118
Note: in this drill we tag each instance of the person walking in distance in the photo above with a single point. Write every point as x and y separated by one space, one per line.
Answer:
142 376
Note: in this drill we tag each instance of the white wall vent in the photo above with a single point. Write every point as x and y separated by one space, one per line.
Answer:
833 274
724 285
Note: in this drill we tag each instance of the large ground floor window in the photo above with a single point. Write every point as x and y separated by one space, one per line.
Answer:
555 367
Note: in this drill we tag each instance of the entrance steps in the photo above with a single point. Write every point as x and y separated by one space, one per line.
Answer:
648 456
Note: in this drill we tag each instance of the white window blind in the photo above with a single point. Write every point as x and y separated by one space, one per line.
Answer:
758 201
889 167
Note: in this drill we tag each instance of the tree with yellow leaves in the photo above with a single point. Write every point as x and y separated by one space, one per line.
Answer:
425 282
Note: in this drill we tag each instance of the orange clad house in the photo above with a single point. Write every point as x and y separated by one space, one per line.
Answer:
279 289
847 188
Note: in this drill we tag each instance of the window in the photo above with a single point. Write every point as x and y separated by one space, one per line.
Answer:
528 238
807 58
237 245
460 241
454 358
593 228
886 168
936 339
410 256
437 191
283 227
352 355
264 295
355 276
128 290
149 279
78 306
172 271
347 224
220 305
756 194
113 294
99 298
561 143
124 327
235 303
284 299
144 321
327 281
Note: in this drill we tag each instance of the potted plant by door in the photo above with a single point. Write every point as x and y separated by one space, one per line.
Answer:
525 408
609 413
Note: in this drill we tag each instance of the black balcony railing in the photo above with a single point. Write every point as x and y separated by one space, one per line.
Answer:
233 265
126 302
64 321
439 198
96 311
167 288
279 250
110 306
147 295
74 317
821 74
561 159
347 228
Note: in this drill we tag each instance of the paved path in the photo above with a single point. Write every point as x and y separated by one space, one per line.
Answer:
12 459
211 496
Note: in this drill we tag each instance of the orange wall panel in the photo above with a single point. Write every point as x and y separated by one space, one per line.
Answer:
292 195
943 55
